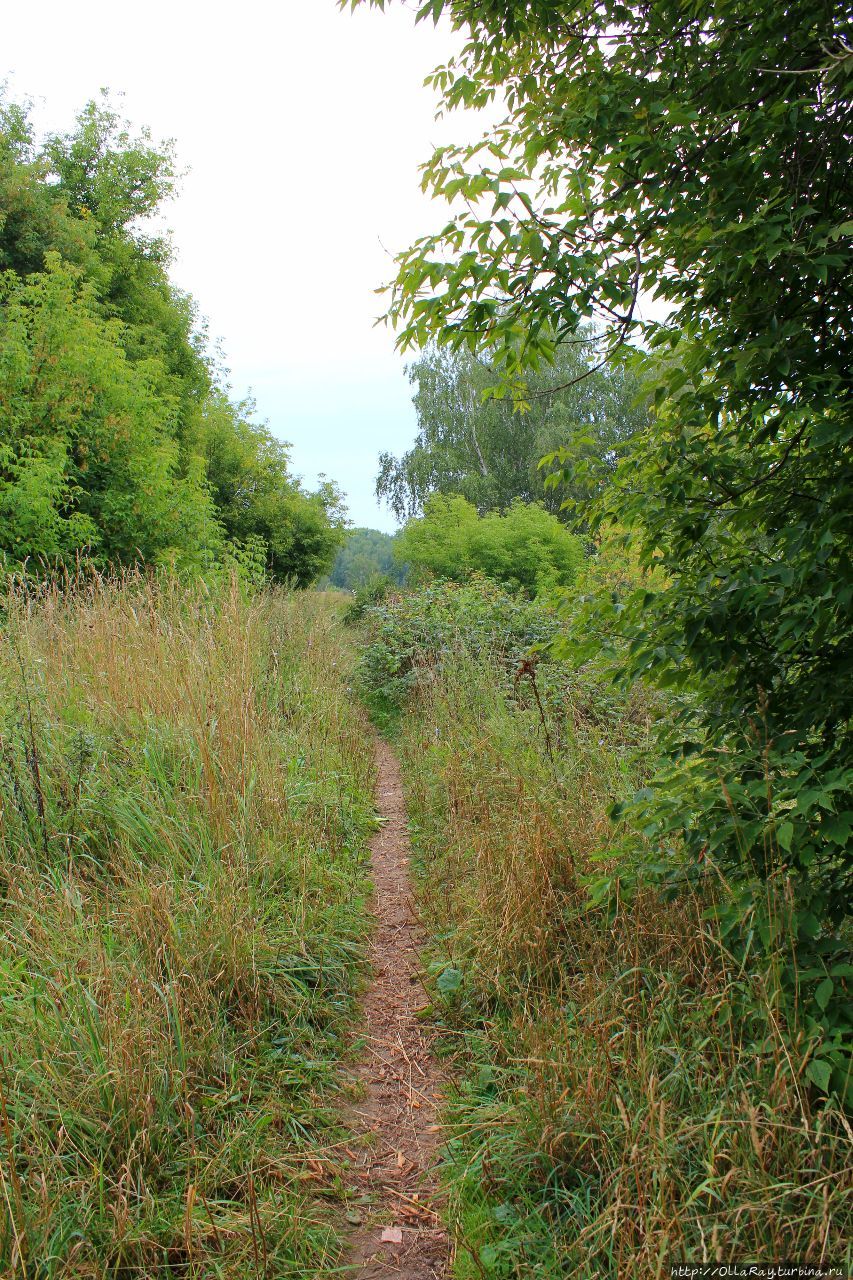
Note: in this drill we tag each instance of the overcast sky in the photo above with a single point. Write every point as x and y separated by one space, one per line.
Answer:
302 128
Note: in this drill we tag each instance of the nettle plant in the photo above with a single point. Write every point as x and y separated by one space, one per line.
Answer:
699 156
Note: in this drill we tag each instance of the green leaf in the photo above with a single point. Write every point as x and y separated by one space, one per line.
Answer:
449 981
823 993
820 1073
784 835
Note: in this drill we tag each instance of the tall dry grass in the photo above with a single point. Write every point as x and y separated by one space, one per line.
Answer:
631 1096
186 791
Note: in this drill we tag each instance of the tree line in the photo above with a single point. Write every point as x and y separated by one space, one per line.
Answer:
475 445
119 441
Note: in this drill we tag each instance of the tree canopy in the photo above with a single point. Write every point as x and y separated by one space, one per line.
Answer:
118 441
699 155
478 447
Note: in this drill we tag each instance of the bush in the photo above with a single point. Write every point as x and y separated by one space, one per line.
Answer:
411 636
524 548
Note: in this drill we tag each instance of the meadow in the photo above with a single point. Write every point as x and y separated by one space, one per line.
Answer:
630 1093
187 789
188 777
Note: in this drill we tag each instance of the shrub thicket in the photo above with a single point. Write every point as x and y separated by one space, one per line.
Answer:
523 547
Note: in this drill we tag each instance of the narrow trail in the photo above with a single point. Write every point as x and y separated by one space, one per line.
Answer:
397 1113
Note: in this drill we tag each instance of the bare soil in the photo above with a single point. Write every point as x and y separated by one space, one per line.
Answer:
400 1081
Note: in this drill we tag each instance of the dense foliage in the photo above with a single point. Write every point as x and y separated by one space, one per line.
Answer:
366 555
699 155
118 442
523 547
411 637
480 448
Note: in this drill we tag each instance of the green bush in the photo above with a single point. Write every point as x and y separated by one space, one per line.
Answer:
524 547
411 636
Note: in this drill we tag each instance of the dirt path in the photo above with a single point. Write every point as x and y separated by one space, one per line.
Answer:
400 1079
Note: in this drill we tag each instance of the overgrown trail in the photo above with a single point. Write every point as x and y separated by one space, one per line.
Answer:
401 1234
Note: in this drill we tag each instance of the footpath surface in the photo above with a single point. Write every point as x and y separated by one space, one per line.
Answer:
396 1116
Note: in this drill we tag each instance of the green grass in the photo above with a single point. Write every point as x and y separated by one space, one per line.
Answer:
629 1096
186 793
186 786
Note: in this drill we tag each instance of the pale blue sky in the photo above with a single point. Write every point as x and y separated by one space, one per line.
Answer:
339 424
302 128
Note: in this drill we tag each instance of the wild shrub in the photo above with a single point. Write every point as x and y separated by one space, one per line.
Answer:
411 635
524 548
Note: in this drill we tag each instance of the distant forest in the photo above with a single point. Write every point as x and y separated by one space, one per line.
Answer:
366 554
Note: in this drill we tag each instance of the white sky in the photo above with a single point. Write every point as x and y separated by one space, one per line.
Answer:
302 128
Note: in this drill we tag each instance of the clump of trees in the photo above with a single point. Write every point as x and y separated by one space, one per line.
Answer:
118 441
524 547
366 556
474 444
